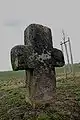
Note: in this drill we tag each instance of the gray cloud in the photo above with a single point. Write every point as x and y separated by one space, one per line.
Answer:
12 23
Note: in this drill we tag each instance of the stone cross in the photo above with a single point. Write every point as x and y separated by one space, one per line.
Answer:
39 59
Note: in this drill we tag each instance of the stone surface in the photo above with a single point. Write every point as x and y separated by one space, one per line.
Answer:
43 82
39 59
39 37
21 57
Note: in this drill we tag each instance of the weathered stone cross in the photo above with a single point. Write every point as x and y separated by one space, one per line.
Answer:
39 59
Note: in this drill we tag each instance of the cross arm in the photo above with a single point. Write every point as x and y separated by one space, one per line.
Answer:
57 57
20 57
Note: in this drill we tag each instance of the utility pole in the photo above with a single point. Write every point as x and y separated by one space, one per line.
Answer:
65 71
72 65
64 42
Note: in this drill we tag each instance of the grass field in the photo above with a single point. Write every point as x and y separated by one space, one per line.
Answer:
66 105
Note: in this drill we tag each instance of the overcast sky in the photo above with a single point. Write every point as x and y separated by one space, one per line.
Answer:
16 15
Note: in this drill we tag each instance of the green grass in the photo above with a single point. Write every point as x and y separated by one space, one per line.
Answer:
76 68
66 104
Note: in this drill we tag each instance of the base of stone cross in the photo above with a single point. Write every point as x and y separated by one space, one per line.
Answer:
40 86
34 104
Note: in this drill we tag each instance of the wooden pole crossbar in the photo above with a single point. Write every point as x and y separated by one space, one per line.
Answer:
64 42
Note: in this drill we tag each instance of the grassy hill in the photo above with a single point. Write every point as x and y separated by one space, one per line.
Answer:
66 104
